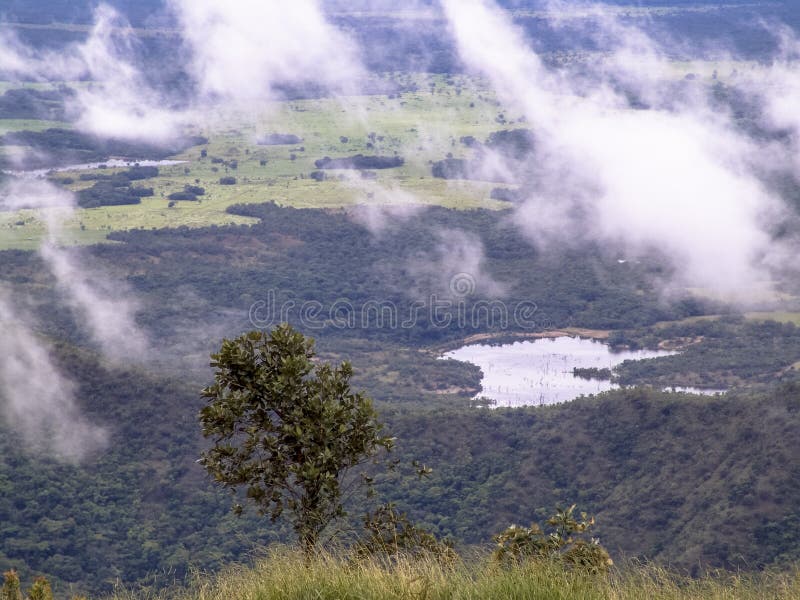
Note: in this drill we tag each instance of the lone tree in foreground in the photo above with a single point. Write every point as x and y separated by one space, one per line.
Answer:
286 429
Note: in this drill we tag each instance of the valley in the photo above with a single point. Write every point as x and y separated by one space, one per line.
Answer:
564 276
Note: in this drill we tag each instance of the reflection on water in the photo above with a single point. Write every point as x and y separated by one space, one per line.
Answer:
540 371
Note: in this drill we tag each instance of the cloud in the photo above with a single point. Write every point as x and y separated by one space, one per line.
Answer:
381 207
36 399
116 100
455 269
17 59
679 177
238 54
101 303
247 50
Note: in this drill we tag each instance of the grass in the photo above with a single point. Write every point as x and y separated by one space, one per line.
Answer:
779 316
421 126
284 575
12 125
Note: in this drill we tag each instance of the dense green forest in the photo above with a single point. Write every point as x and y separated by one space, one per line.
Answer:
672 477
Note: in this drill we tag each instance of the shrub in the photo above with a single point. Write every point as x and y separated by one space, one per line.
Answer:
194 189
40 590
451 168
564 543
227 180
390 533
361 162
182 196
11 589
142 192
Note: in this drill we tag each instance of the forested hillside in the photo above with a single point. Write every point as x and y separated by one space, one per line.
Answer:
676 478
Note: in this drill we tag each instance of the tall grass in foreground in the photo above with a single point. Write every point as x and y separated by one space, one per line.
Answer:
286 575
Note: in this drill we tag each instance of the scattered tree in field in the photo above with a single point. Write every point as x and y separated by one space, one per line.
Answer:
565 543
286 429
195 189
182 196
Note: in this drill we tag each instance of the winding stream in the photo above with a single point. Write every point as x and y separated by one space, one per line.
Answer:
112 163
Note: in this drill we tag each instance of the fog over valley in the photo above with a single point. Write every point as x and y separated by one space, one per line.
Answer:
550 244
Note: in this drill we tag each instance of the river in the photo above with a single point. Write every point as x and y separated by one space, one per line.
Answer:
113 163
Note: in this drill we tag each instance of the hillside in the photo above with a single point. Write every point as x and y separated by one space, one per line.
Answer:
680 479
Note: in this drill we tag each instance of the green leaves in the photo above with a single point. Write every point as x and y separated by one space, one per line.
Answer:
287 428
389 532
563 543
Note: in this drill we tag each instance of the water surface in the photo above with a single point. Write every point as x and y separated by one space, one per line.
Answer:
112 163
540 371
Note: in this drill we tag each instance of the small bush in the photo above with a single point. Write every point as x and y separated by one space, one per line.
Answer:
390 533
194 189
40 590
11 589
227 180
142 192
564 543
182 196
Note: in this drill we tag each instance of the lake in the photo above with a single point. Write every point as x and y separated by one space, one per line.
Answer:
539 372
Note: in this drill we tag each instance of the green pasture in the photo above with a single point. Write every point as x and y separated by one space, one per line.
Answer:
11 125
421 126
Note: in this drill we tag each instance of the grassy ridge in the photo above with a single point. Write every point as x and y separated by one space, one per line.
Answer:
286 576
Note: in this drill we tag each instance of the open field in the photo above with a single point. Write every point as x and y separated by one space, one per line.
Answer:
779 316
419 126
9 125
423 124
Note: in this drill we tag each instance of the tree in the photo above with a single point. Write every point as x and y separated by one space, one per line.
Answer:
287 429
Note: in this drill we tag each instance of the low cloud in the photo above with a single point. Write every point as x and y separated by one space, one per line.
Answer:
679 177
115 100
382 207
36 399
455 269
101 304
99 301
249 50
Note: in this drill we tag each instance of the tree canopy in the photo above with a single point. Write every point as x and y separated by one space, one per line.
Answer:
287 429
